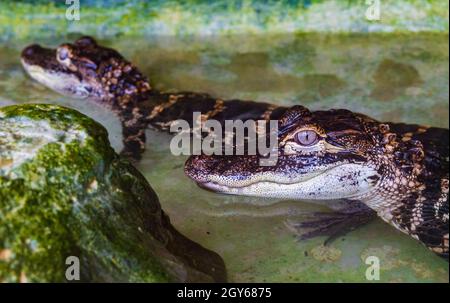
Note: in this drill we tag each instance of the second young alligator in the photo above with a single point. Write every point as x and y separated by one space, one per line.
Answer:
86 70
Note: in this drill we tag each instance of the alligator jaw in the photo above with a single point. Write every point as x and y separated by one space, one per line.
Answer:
335 183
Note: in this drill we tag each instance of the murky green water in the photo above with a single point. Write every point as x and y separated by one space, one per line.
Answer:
390 77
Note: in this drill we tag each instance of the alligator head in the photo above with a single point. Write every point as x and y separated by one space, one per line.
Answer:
84 69
331 154
321 155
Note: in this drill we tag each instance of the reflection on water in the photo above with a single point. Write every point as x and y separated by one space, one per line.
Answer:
390 77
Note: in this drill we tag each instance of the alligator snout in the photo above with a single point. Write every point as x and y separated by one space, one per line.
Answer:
31 49
198 168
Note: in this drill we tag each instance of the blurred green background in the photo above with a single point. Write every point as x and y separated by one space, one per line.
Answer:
26 19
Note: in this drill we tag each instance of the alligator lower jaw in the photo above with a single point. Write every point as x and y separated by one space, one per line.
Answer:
343 181
256 188
229 190
217 188
243 188
246 187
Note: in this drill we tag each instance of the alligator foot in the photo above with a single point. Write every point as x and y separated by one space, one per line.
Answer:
334 224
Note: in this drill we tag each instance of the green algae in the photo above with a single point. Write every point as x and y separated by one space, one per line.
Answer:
39 197
73 196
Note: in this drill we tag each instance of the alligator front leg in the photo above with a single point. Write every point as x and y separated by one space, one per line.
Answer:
133 139
334 224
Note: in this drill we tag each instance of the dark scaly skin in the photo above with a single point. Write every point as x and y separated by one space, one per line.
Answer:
89 71
404 166
397 170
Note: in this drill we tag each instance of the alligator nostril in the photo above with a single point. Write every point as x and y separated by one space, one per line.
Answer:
30 50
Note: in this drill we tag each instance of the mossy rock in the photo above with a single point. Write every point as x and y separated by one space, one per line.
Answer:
65 192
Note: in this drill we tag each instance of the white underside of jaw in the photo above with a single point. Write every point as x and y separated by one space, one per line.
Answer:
344 181
65 84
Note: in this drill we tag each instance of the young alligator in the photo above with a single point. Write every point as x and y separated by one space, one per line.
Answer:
397 170
89 71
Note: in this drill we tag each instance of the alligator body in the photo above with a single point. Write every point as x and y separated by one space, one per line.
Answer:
396 171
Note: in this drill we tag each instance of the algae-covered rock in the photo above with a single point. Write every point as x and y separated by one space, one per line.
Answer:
65 192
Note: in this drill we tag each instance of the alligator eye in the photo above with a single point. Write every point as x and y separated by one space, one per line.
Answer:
306 137
63 53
